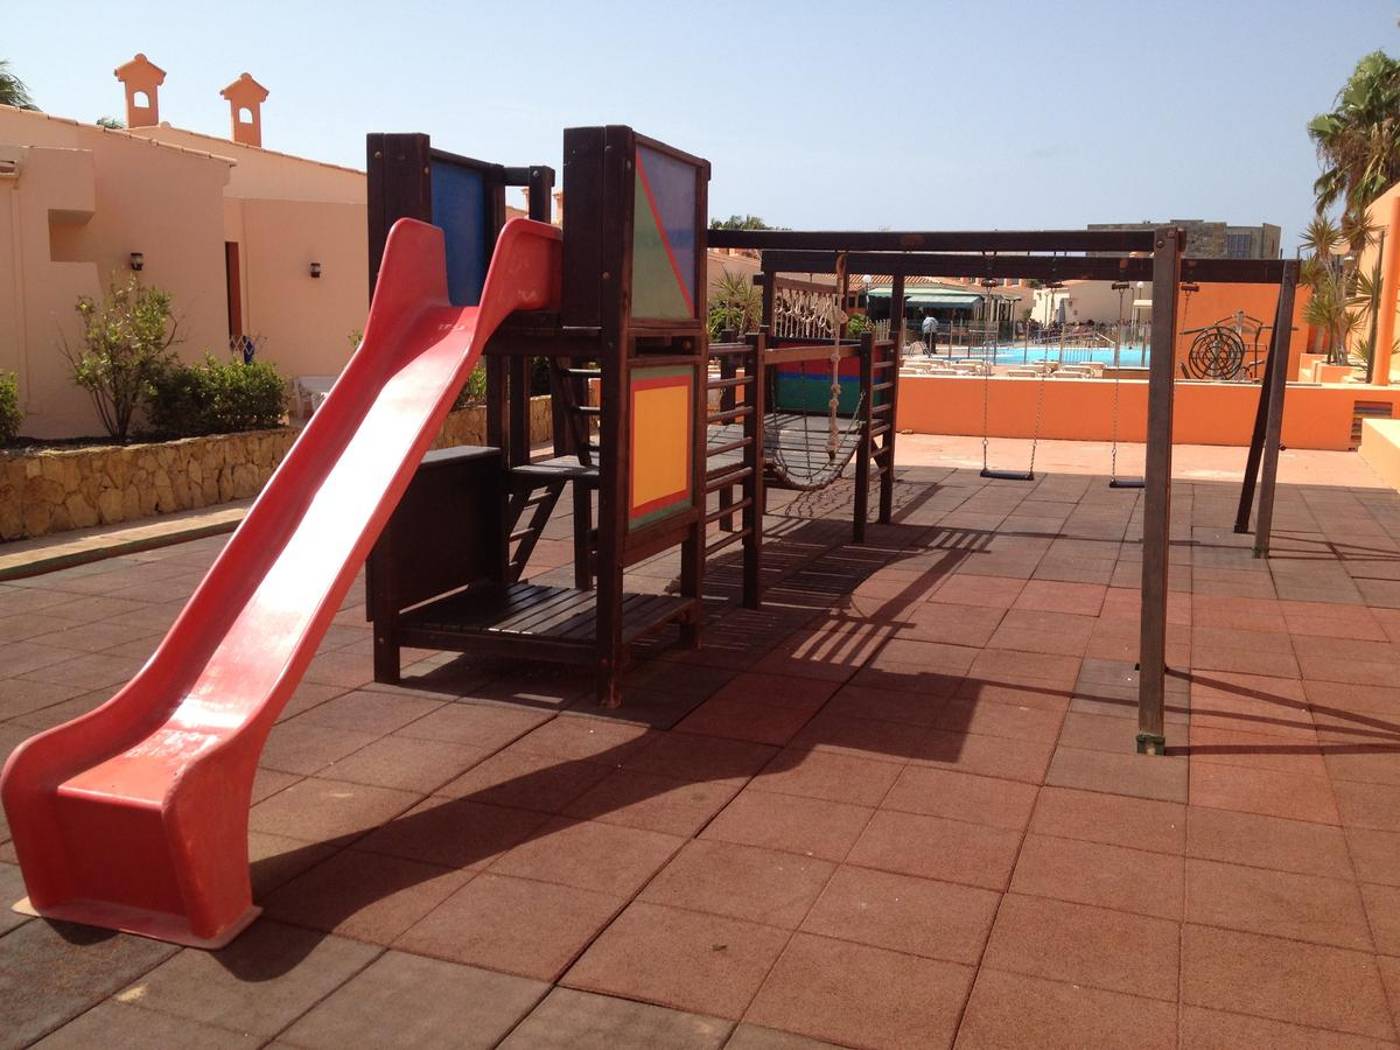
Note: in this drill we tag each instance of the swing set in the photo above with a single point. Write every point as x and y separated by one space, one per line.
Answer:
1100 255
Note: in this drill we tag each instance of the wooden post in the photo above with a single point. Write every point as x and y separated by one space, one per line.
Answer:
1157 499
1256 440
862 508
1273 431
1275 368
1390 290
398 184
753 455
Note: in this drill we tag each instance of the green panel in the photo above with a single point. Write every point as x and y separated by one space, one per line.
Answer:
655 291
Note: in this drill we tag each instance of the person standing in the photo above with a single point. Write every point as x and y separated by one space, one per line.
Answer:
930 332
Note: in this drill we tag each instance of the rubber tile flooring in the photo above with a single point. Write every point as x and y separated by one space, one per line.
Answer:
898 806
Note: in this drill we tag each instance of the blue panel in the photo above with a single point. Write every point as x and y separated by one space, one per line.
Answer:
461 211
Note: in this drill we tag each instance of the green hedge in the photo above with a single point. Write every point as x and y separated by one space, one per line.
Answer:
216 397
10 414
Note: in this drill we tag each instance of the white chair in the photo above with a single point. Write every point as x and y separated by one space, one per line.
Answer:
309 392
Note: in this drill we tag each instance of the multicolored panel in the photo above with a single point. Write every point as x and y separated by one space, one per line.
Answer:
663 237
809 390
663 435
460 211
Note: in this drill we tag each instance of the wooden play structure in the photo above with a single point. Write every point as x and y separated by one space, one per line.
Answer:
658 433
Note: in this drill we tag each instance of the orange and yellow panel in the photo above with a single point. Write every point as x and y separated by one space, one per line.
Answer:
663 437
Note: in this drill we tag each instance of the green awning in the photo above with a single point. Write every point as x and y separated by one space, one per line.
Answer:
929 296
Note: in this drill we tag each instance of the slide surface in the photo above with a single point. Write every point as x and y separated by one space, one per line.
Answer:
134 816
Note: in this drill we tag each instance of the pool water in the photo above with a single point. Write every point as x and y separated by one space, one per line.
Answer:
1130 355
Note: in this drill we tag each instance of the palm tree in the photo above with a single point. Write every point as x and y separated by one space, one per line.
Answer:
1358 141
1331 309
13 91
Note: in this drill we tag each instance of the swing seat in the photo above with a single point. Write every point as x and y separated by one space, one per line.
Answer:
1127 483
1009 475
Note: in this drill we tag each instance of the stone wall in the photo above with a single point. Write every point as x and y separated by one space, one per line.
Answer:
53 490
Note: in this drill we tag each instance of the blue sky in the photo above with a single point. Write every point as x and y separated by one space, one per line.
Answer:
900 115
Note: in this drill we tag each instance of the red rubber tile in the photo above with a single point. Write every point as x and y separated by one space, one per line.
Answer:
1267 842
740 882
1084 599
952 624
888 705
454 833
512 925
935 848
1142 824
1368 805
643 800
1277 903
580 737
836 777
939 920
1025 760
1037 631
1376 855
776 690
749 720
315 810
995 592
590 856
993 718
1102 875
1217 1030
1143 776
852 994
1263 791
1301 984
521 780
1383 910
811 827
1010 1011
1004 667
945 793
1112 950
681 959
364 895
484 726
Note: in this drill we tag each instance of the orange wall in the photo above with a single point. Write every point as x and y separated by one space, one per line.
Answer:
1217 302
104 194
1082 410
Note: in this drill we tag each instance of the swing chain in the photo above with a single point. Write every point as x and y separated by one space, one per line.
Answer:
1039 412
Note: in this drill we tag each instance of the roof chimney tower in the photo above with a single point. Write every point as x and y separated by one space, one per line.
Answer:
245 98
141 77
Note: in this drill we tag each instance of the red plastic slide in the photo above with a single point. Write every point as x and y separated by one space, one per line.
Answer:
135 815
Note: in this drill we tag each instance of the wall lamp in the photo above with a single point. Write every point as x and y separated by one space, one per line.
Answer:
316 269
138 261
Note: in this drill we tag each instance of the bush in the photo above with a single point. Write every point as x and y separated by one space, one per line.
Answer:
10 414
127 340
216 397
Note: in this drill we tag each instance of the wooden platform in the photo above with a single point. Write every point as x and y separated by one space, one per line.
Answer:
558 623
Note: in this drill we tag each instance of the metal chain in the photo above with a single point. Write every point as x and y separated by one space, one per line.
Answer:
1039 407
986 410
1113 452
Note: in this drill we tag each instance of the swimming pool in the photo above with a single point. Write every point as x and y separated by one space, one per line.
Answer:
1130 355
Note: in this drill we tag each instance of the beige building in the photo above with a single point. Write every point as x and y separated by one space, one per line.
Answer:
248 241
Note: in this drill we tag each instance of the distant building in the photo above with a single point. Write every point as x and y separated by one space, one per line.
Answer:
250 242
1213 240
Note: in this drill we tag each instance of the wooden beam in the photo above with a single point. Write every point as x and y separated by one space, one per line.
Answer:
1039 267
938 240
1157 497
1256 441
1273 430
